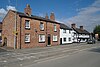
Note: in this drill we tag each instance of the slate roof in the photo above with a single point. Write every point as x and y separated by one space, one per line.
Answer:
63 26
35 17
81 31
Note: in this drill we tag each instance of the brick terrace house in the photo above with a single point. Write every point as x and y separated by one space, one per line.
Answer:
23 30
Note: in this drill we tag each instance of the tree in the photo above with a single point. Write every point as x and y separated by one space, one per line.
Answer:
97 30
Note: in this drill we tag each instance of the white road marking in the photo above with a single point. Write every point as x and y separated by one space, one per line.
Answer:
4 61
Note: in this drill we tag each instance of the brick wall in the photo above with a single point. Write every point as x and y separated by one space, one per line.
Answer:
8 28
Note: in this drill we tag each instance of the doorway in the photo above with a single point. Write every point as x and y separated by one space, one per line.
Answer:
49 39
60 41
5 41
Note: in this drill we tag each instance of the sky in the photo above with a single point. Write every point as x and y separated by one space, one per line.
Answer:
80 12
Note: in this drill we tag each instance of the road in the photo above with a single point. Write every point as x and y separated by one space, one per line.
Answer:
73 55
87 58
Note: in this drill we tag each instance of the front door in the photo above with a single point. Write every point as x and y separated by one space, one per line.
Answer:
60 41
49 39
5 42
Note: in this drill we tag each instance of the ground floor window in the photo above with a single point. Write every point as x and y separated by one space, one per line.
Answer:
69 39
54 37
41 38
27 37
64 39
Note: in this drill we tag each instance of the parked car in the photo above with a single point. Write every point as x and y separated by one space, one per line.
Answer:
91 41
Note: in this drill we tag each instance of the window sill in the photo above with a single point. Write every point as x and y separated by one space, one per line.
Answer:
27 28
55 31
27 42
41 42
41 30
55 41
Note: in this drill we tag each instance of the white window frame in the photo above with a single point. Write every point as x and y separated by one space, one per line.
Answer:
55 38
64 31
41 26
69 39
41 38
55 27
69 31
27 26
27 37
64 39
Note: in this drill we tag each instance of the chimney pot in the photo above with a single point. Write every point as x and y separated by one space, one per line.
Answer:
52 16
28 10
81 28
46 16
73 25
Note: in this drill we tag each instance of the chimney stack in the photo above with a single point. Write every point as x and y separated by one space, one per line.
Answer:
28 10
52 16
46 16
73 25
81 28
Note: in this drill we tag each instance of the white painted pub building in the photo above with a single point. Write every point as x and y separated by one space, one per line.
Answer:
80 34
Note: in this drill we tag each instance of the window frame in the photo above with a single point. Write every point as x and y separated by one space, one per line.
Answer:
55 36
55 28
27 26
27 34
64 39
69 31
42 29
64 31
69 39
41 41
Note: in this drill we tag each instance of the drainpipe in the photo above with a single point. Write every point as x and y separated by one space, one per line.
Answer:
20 30
15 29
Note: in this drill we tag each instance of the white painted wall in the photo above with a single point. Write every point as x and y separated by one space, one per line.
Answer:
66 35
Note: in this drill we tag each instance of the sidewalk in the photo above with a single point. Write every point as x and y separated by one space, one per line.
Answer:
40 49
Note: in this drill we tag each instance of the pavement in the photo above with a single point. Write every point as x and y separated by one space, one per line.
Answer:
23 57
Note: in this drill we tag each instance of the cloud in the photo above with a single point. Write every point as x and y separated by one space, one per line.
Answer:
89 17
11 8
3 11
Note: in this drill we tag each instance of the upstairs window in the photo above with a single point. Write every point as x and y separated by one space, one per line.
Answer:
64 31
27 37
41 26
55 28
69 31
27 24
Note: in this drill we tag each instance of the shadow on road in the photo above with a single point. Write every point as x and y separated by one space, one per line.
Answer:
95 50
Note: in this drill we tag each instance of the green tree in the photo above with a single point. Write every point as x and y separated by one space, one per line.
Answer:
97 30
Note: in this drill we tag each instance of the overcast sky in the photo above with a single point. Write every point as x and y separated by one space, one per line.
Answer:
81 12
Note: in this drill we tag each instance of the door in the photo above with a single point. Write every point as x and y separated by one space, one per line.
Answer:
60 41
5 42
49 39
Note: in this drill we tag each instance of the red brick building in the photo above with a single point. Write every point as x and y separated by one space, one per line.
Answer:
23 30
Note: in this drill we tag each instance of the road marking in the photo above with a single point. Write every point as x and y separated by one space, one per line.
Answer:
4 61
20 58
